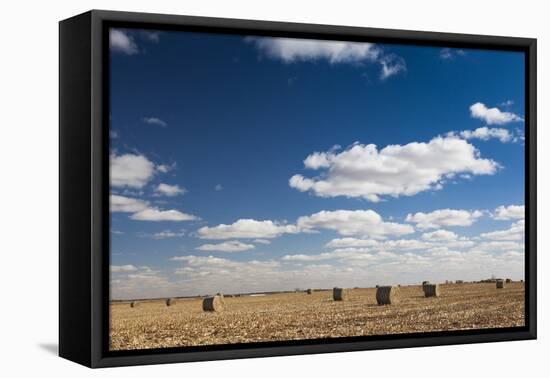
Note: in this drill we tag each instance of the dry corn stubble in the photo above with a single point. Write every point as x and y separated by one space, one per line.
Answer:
296 316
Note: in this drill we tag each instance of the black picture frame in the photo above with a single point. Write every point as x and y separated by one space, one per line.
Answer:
84 188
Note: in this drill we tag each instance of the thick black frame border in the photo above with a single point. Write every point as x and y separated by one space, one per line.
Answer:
84 189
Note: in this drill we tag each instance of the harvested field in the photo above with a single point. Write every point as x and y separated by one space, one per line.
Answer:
291 316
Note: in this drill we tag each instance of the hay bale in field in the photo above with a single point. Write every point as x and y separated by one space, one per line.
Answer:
459 281
339 294
386 295
508 280
425 283
214 303
431 290
377 286
309 291
170 302
500 283
134 304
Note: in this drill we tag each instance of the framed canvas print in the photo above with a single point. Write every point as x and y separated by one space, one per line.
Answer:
233 188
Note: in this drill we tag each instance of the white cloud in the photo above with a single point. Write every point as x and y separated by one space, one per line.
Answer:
166 234
246 229
261 241
365 223
120 41
391 65
155 121
228 246
169 190
218 187
143 212
290 50
151 36
363 171
130 170
439 235
507 103
515 232
123 268
492 116
448 53
486 133
123 204
158 215
351 242
404 244
444 218
350 254
293 49
499 246
509 212
165 168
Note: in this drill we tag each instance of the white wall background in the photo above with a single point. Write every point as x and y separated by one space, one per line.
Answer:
29 174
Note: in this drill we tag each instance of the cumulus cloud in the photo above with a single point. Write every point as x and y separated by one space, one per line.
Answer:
439 235
151 36
155 121
499 246
364 223
515 232
169 190
448 53
444 218
228 246
493 116
142 211
123 268
120 41
486 133
293 49
165 168
351 242
509 212
391 65
121 204
351 254
290 50
131 170
261 241
246 229
396 170
166 234
154 214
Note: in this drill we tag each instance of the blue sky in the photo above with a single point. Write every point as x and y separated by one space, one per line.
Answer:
245 164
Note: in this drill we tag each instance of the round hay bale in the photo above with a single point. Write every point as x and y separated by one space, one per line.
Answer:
500 283
309 291
386 295
508 280
214 303
170 302
425 283
431 290
339 294
134 304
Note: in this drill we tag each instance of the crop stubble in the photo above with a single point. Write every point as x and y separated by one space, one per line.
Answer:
292 316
